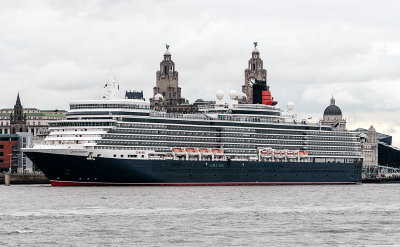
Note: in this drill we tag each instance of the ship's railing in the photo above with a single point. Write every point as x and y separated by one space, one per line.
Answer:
178 115
238 106
255 107
227 117
58 146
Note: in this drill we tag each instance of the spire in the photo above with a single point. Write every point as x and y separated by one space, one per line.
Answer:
18 100
332 100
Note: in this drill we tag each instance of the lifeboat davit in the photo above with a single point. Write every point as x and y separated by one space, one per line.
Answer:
292 154
168 157
279 154
266 153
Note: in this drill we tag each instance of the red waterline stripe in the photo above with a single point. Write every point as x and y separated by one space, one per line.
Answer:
73 183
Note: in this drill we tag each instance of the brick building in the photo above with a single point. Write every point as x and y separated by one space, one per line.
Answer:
8 152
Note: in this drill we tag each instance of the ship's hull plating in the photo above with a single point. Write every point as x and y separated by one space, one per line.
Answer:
65 170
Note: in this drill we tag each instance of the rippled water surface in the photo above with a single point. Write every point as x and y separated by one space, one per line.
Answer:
352 215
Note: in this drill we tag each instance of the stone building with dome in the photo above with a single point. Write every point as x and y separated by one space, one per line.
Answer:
333 116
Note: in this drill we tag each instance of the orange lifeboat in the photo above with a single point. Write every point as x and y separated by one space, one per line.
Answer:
178 151
205 151
303 154
192 151
217 151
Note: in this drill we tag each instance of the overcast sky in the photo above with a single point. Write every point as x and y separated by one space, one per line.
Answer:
56 51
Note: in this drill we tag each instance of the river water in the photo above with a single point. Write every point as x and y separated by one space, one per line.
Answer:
334 215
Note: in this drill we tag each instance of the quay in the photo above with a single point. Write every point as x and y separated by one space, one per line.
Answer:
380 180
25 178
380 174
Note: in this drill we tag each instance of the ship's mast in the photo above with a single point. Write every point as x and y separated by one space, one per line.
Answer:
111 89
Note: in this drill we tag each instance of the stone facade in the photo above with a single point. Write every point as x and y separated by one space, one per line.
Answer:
36 121
18 119
167 91
333 116
254 71
369 147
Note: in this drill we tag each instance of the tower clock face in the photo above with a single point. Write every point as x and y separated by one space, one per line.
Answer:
251 81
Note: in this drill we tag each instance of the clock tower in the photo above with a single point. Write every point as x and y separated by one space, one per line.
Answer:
254 72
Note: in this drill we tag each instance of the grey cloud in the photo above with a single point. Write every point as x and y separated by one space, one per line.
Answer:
55 51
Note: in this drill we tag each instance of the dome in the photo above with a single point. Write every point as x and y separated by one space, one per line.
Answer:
242 95
332 110
255 50
167 53
158 97
233 94
220 94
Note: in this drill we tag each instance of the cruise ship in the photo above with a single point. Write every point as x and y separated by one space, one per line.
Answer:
246 140
114 141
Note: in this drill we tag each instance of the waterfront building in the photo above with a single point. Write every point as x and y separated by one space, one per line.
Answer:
387 154
35 121
369 147
333 116
8 152
11 154
254 72
167 91
25 140
17 118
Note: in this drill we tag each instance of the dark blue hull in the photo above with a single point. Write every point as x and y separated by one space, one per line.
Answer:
78 170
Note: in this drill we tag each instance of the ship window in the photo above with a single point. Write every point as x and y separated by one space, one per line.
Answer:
115 155
122 155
